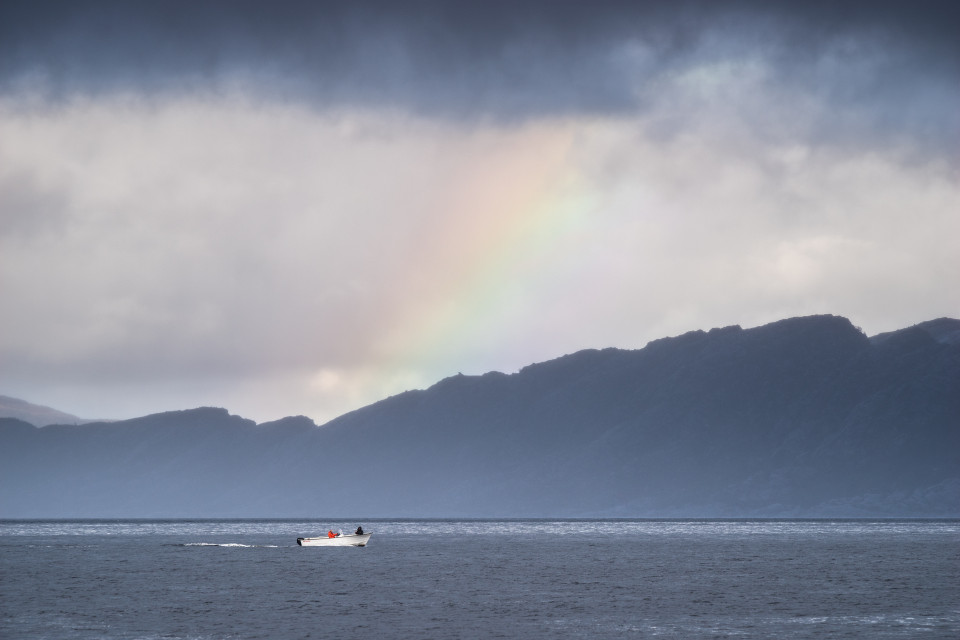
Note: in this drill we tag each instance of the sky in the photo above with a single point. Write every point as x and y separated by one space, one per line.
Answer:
300 208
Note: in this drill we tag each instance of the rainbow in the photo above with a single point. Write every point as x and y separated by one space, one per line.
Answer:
506 222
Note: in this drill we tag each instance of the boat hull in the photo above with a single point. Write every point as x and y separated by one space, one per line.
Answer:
347 540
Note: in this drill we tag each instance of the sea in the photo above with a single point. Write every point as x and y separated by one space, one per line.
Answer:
689 579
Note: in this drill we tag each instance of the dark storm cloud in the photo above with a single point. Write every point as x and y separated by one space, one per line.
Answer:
505 59
444 56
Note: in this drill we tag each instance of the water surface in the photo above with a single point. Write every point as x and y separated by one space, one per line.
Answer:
472 579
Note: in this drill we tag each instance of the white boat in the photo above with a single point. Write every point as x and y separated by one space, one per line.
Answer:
342 540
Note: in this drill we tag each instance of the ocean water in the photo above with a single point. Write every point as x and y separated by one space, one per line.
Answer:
481 579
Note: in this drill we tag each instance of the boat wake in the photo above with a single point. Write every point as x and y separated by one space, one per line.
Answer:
229 544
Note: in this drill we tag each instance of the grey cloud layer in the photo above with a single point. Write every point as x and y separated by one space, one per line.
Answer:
897 61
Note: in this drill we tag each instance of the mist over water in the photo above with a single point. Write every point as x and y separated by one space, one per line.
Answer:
481 578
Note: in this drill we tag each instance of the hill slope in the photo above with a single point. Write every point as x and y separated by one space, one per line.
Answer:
35 414
803 417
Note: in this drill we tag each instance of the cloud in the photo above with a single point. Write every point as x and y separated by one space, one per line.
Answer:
229 239
885 69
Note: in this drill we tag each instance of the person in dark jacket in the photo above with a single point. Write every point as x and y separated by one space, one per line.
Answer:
359 531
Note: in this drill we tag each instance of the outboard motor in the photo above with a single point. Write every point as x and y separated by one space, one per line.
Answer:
299 542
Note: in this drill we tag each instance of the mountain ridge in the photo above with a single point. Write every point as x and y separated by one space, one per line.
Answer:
804 417
35 414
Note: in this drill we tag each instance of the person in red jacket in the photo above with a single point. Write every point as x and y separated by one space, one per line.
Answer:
331 534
